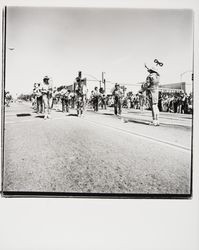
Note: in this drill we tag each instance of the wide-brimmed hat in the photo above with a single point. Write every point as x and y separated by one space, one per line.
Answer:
152 69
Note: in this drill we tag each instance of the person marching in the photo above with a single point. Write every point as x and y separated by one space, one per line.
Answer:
69 95
96 96
67 100
152 82
54 97
39 99
79 96
46 90
117 95
63 95
81 92
33 99
103 101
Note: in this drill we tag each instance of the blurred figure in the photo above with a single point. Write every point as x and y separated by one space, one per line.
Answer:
185 104
141 100
81 95
39 99
72 100
64 101
33 99
128 103
8 98
54 97
67 100
160 99
117 95
104 101
96 96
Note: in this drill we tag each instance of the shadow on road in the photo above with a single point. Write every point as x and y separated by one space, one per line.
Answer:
162 124
39 116
71 115
107 114
136 121
23 114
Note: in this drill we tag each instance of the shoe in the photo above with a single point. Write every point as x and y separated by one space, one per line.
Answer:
153 123
45 117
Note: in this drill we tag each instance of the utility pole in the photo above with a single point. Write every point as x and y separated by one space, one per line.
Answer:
104 81
80 74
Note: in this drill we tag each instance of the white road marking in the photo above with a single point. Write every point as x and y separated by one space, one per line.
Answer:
130 132
125 131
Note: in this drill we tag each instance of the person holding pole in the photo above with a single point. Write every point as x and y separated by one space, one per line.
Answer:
152 82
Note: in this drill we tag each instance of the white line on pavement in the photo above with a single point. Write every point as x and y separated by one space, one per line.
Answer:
126 131
130 132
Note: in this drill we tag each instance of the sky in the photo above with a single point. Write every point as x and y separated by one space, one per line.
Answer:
59 42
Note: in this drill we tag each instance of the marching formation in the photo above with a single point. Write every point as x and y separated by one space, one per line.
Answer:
77 96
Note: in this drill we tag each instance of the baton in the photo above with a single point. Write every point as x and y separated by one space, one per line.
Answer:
145 66
158 63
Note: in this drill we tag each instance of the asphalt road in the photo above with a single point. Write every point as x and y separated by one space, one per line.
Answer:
98 153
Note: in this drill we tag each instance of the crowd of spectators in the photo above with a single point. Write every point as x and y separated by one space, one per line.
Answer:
174 102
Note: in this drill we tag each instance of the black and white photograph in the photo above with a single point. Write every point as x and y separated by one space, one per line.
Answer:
98 102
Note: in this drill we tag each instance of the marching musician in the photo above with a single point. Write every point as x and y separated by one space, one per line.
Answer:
96 96
117 95
33 99
54 96
46 89
81 92
152 82
39 99
64 95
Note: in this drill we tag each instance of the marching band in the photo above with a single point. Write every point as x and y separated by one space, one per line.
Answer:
45 96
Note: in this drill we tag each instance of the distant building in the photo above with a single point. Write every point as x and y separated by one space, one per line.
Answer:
178 85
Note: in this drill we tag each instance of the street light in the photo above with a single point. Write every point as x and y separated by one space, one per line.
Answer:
104 81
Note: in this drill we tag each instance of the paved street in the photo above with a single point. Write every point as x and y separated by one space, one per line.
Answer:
99 153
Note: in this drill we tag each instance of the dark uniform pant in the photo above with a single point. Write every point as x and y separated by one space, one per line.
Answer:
95 103
65 105
117 107
39 104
